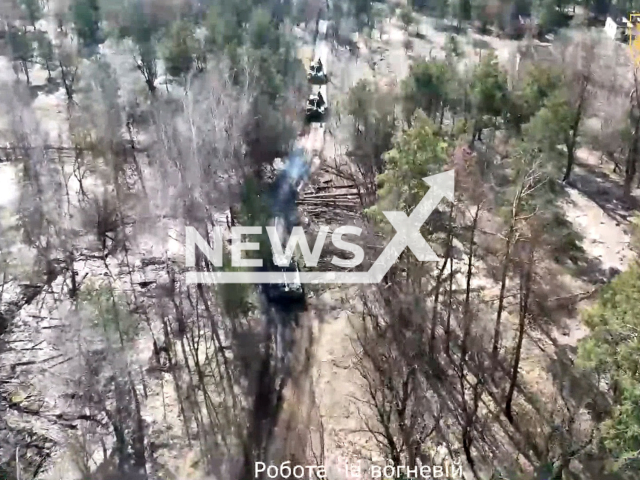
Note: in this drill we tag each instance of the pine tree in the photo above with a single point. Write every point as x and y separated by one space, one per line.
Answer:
86 18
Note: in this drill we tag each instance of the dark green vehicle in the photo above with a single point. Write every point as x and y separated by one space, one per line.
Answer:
288 293
316 108
316 74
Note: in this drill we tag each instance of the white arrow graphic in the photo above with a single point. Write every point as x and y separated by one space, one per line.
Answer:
408 228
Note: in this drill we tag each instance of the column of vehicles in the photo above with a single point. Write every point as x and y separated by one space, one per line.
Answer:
284 193
284 209
285 299
317 103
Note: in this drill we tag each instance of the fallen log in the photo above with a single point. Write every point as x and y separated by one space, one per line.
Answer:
327 204
327 187
331 195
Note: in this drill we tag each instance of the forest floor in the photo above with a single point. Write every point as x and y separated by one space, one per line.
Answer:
593 207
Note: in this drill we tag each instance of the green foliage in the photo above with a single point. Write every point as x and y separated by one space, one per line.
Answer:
21 45
366 104
625 7
362 11
143 27
138 25
86 19
45 51
242 9
613 352
235 299
231 25
538 85
264 56
33 10
567 243
255 211
435 8
551 126
270 81
374 124
461 129
426 87
417 153
406 17
180 49
222 29
272 58
440 8
537 171
489 87
359 100
461 10
147 62
45 47
551 14
262 32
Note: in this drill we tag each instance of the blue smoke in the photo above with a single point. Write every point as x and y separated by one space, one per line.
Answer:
297 168
285 188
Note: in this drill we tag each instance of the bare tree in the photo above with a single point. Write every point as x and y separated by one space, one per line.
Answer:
107 386
631 163
529 181
406 413
526 274
68 61
41 210
581 80
200 149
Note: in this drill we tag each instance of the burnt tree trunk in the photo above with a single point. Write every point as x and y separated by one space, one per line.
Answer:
438 286
572 139
525 291
506 262
631 166
467 296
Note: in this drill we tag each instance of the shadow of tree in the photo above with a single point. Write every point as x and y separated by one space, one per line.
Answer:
604 191
445 27
579 393
48 88
480 44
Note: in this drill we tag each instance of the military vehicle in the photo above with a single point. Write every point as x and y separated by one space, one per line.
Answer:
316 107
316 73
289 293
